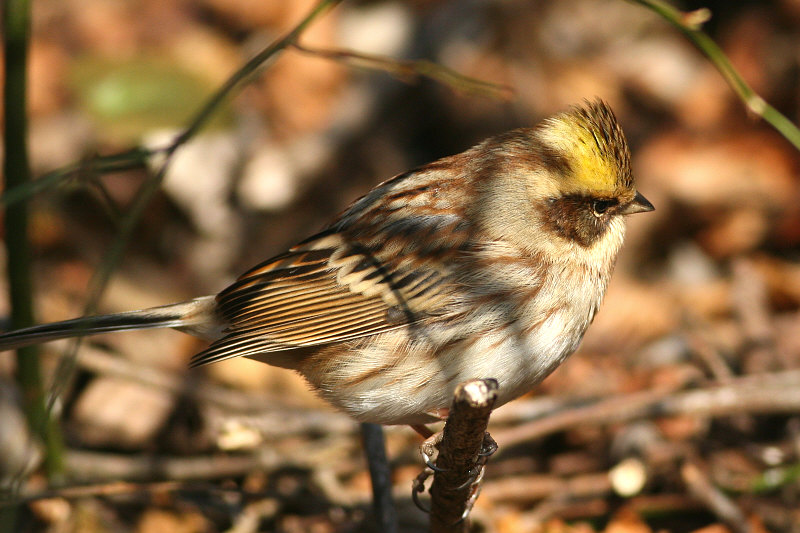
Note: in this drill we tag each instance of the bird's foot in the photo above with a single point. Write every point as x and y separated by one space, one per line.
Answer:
429 448
488 447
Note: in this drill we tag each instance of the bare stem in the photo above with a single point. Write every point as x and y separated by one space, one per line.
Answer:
16 22
407 70
778 392
689 24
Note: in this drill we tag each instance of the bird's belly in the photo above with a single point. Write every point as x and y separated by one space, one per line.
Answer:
392 379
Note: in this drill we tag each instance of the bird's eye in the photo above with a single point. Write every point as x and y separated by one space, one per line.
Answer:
601 206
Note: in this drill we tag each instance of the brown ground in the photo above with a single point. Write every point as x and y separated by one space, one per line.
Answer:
680 411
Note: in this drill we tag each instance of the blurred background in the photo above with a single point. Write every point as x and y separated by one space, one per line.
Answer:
706 289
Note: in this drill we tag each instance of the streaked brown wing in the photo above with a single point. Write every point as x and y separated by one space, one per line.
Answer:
321 291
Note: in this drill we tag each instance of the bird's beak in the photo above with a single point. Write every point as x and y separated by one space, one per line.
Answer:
639 204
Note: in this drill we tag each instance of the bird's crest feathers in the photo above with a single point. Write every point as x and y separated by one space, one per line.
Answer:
591 140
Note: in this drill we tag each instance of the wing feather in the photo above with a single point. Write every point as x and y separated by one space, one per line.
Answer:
356 279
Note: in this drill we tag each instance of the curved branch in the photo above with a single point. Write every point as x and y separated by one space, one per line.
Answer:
689 24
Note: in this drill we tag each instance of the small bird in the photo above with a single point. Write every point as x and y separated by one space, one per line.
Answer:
486 264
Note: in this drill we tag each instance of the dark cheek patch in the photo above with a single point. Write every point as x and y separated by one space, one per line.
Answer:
572 218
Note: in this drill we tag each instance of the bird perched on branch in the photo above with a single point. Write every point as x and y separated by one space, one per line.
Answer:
486 264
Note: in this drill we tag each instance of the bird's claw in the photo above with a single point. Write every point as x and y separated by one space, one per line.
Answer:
428 449
418 487
488 446
475 477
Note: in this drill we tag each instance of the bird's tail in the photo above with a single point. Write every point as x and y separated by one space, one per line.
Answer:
196 317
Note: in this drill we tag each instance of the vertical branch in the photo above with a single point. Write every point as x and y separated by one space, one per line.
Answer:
459 462
16 29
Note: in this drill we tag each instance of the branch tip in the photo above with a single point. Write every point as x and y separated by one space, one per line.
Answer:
478 393
694 20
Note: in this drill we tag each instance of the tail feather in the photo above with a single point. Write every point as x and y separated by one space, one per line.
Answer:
195 317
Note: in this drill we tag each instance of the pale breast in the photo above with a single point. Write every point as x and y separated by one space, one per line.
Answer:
515 336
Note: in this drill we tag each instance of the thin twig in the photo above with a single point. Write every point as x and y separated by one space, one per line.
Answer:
96 467
689 24
135 158
407 70
100 489
524 489
714 499
765 393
